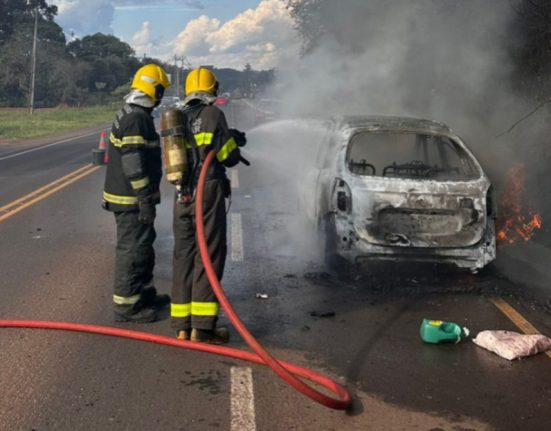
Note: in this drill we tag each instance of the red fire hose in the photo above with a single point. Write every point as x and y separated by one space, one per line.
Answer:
290 373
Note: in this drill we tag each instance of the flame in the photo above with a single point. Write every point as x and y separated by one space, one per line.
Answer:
516 222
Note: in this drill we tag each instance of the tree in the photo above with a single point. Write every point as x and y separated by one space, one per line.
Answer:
15 52
14 72
100 45
110 61
15 12
16 27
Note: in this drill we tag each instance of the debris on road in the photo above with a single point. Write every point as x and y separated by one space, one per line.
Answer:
438 331
322 314
512 345
322 275
262 296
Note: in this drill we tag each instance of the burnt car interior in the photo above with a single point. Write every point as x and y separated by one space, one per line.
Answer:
409 155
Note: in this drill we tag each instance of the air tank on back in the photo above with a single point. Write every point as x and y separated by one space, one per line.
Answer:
174 144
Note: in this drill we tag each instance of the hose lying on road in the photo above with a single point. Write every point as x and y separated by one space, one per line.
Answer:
290 373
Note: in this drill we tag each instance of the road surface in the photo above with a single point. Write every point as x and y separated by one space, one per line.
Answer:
57 264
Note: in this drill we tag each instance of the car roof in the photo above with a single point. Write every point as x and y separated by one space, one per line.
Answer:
391 122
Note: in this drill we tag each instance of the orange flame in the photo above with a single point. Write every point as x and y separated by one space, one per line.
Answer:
514 222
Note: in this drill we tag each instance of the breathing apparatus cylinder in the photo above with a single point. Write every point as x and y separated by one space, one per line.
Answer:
174 144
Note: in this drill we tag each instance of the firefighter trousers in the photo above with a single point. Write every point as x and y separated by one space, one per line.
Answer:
194 304
134 258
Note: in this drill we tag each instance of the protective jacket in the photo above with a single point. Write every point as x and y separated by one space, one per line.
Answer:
135 167
193 301
210 131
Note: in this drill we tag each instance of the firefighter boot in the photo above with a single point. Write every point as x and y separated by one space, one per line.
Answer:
151 299
182 334
214 336
137 313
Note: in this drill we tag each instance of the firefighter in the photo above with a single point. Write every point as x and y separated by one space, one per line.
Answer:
194 307
131 192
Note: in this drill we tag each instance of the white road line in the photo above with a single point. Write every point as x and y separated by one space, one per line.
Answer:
242 400
45 146
236 238
234 179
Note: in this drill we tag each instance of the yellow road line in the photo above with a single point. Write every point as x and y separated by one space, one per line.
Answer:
517 318
43 192
41 189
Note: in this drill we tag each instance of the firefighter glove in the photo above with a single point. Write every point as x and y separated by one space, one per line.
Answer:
147 211
239 137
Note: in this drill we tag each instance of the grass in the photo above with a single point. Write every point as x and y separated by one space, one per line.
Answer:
18 124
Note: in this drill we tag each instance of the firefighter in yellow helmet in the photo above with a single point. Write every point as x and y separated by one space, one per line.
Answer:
131 192
194 308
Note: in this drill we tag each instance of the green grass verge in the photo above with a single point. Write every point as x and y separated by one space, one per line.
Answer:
18 124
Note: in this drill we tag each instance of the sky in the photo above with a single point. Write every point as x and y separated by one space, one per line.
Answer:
223 33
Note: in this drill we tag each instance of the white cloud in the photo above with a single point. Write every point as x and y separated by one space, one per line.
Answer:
85 16
263 37
192 41
141 41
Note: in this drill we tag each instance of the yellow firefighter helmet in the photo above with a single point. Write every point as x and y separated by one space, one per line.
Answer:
151 80
201 79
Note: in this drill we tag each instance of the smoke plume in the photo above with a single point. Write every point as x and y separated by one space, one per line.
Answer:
442 60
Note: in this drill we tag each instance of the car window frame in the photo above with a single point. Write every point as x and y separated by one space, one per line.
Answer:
453 138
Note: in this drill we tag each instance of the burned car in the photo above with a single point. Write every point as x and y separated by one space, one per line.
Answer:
403 189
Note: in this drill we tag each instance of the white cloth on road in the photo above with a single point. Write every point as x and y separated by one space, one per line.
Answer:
512 345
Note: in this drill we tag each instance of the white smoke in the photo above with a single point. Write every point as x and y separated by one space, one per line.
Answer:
445 61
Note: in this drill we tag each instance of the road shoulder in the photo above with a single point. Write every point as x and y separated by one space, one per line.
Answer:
34 142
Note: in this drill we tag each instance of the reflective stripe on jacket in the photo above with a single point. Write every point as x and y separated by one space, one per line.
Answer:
133 131
210 129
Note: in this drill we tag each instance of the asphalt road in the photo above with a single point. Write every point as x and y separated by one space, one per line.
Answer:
57 263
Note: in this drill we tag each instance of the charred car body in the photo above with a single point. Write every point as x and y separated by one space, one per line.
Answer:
403 189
